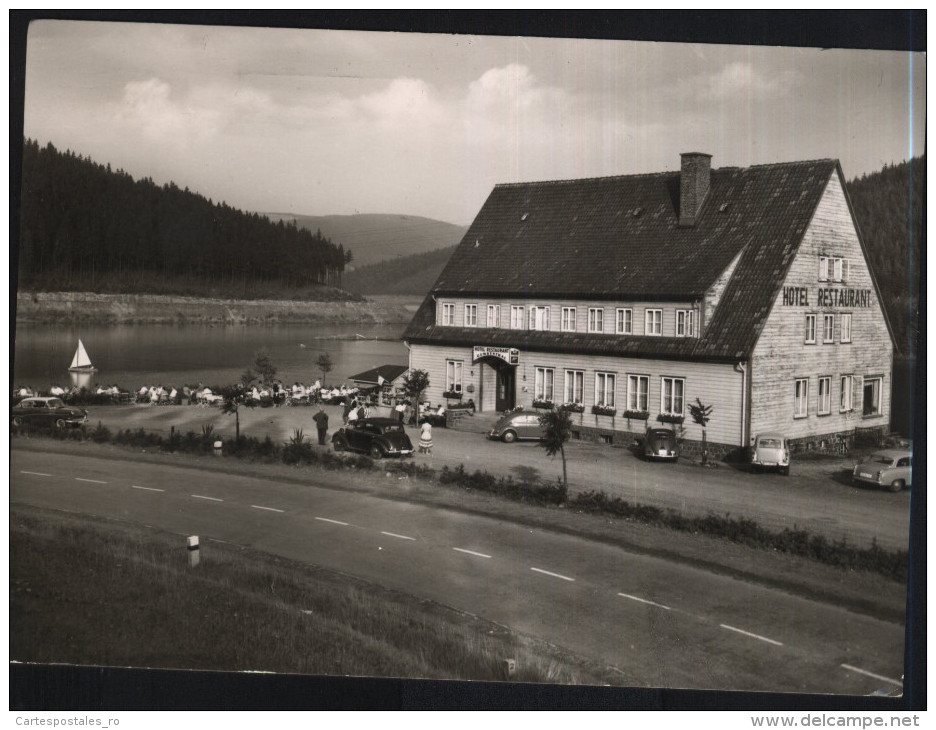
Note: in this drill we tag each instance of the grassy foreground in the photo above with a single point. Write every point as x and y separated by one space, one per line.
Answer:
91 591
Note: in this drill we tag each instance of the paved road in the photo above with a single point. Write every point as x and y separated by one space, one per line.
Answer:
817 496
659 623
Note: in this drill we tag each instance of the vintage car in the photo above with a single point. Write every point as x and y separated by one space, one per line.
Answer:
42 411
771 451
660 443
517 426
889 468
378 437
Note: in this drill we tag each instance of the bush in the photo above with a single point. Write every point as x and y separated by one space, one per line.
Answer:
529 492
298 450
101 434
893 564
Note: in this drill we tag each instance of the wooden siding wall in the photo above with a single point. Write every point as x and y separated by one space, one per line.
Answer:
781 355
717 385
581 314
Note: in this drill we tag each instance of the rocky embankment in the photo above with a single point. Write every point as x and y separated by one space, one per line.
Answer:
72 307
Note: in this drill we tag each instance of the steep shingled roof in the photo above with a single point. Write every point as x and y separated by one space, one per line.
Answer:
618 238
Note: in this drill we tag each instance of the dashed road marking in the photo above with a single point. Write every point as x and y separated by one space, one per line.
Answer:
393 534
334 522
850 668
753 636
148 489
268 509
644 600
210 499
93 481
35 473
470 552
554 575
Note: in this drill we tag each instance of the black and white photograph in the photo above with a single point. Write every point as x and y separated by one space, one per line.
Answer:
480 359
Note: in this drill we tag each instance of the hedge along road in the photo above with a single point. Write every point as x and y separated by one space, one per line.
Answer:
817 496
659 622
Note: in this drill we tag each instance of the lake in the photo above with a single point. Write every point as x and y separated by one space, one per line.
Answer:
132 355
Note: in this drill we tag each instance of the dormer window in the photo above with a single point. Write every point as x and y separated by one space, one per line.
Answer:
653 322
685 323
448 314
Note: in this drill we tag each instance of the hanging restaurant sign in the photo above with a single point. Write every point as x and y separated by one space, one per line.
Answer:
510 355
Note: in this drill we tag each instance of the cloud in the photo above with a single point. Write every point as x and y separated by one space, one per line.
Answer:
402 101
147 107
734 81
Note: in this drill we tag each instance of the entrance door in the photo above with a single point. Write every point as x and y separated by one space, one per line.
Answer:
506 388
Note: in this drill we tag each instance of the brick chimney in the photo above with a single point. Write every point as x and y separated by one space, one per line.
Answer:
694 178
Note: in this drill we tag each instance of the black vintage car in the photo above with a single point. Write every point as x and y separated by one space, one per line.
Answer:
47 412
661 443
375 436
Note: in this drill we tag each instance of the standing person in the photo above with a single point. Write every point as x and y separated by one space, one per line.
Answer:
321 423
425 439
347 410
400 409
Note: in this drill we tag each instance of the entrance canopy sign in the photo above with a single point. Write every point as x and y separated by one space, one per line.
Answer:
510 355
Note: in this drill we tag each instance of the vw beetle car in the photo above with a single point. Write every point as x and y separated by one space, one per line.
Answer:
47 412
889 468
771 451
376 436
660 443
517 426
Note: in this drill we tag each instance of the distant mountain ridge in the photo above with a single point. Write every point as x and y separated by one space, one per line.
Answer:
375 237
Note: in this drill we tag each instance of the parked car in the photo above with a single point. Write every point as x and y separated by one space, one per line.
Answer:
771 451
378 437
889 468
660 443
47 412
517 426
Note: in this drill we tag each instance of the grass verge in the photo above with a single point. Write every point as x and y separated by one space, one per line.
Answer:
92 591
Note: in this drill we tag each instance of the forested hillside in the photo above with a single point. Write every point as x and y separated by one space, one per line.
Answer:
375 237
889 208
408 275
84 225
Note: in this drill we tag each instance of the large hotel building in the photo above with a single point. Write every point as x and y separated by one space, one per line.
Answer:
627 298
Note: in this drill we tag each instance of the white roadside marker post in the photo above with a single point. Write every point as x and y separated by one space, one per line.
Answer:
193 552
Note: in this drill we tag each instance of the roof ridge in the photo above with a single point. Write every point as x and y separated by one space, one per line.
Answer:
637 175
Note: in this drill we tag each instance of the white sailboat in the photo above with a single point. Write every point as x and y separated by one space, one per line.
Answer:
81 363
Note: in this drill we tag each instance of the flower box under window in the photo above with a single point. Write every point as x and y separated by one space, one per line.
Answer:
670 418
544 404
573 407
604 410
637 415
452 394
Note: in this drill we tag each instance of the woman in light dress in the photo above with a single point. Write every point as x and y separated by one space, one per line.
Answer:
425 439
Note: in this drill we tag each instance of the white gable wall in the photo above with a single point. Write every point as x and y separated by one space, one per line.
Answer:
782 355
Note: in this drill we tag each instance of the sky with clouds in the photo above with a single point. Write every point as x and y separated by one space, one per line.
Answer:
338 122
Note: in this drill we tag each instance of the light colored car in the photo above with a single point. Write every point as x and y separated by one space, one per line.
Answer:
517 426
771 451
889 468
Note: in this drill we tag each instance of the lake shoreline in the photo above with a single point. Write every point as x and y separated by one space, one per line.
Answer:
92 308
